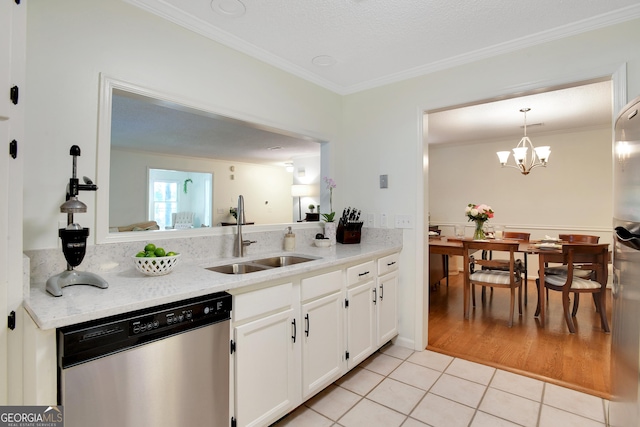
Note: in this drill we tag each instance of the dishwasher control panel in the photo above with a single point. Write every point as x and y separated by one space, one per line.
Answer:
208 311
83 341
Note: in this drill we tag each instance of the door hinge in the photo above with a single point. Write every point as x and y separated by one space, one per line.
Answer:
12 320
13 149
14 95
346 303
233 422
346 355
232 346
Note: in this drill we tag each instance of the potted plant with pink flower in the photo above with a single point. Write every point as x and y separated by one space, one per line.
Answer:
479 214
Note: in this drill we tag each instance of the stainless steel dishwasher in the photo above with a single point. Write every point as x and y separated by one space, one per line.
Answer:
166 366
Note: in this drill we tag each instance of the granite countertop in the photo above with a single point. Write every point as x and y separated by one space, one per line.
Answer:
130 290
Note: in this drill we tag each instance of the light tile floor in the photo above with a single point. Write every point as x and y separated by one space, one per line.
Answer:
399 387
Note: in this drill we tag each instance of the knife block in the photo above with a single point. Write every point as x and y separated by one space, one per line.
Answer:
349 233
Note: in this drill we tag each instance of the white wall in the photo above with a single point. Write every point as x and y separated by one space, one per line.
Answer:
266 189
70 42
574 190
383 134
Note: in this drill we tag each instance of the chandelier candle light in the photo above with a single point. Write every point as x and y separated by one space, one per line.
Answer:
524 163
478 214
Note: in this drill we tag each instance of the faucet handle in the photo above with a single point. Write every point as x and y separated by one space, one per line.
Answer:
248 242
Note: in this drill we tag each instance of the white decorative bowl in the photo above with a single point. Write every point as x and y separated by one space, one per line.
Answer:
323 243
155 266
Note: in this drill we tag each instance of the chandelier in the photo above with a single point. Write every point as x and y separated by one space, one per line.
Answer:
526 159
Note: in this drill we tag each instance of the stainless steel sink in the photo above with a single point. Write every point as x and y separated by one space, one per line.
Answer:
282 261
238 268
260 264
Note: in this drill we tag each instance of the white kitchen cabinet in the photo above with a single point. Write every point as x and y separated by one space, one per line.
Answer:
322 343
387 308
360 324
5 57
387 299
13 18
266 368
294 339
321 322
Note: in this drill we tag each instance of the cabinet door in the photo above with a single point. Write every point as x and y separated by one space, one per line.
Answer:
360 322
387 308
322 343
265 369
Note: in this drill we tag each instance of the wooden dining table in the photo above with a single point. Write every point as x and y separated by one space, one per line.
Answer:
452 246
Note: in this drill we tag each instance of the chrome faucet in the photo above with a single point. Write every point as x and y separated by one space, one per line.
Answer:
240 244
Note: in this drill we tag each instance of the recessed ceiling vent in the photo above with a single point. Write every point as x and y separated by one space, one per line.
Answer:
229 8
324 61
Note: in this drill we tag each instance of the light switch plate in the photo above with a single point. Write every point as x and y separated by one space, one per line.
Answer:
384 181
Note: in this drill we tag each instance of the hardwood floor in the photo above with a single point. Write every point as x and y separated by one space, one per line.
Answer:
580 361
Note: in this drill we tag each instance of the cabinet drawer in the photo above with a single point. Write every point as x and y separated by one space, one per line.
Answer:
256 303
323 284
388 263
361 272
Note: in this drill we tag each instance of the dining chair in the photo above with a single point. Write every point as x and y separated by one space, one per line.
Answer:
497 277
573 238
521 237
594 258
579 238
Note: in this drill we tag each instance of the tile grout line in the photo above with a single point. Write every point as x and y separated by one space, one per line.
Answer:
441 373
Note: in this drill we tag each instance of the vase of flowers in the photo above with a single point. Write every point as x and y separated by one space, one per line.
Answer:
329 224
479 214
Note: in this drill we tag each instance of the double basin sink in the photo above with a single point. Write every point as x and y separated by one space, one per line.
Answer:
260 264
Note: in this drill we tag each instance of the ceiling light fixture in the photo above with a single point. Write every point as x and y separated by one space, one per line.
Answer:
525 159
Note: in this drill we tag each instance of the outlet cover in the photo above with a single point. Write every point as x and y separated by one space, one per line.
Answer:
404 221
383 220
371 220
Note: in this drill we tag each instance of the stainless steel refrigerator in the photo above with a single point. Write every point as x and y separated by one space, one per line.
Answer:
624 410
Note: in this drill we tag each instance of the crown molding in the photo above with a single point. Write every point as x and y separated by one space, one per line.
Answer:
177 16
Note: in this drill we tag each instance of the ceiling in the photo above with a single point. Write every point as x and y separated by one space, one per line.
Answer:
351 45
360 44
587 106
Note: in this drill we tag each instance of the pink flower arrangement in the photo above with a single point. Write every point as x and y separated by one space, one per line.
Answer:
478 212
